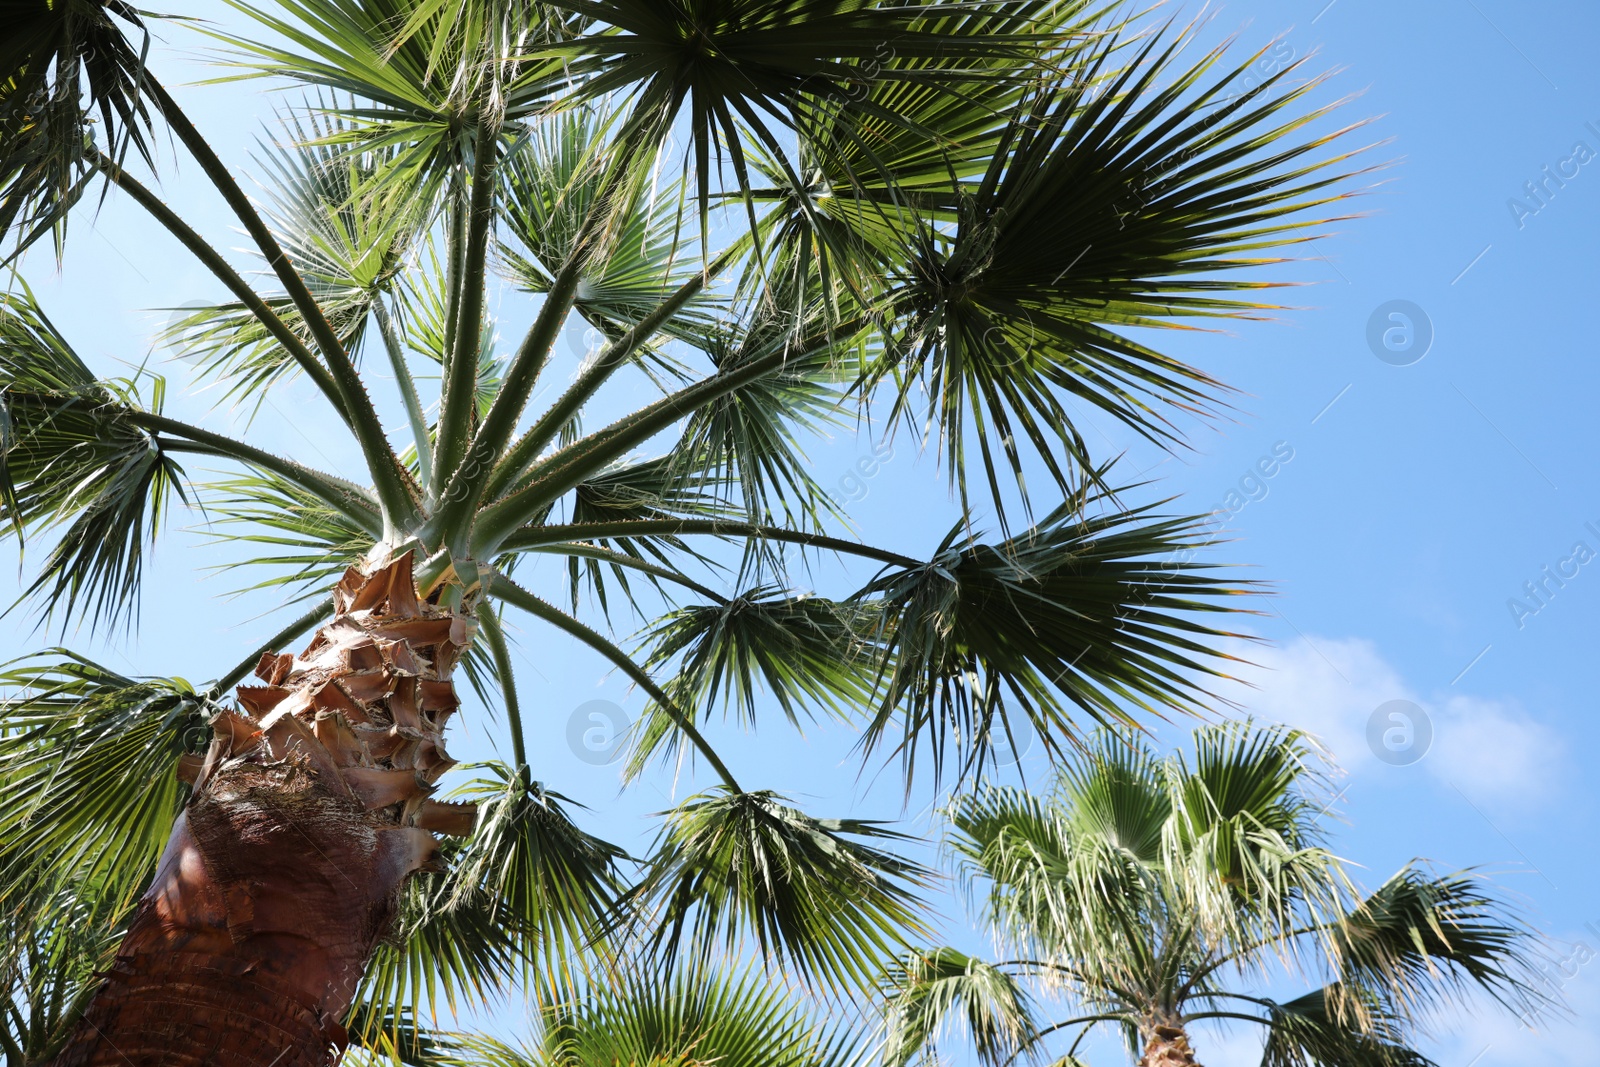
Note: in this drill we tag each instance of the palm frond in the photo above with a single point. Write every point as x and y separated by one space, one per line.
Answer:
72 457
546 880
526 889
1316 1030
809 653
656 488
1111 202
1063 890
806 652
416 88
448 951
936 990
749 438
1422 942
63 66
691 1014
88 776
50 969
551 183
1245 832
376 1042
311 543
349 231
810 891
890 151
740 69
1088 611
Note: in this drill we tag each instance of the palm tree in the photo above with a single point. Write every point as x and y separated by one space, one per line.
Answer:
1154 893
960 217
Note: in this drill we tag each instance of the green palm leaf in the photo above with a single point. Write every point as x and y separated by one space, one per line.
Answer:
889 151
56 969
63 65
750 439
642 490
448 951
551 184
417 74
73 456
547 880
808 653
1421 942
741 68
88 778
1309 1032
1083 611
810 891
348 228
687 1016
310 543
932 989
1109 203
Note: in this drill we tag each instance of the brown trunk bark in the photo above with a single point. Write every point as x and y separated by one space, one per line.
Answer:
308 812
1166 1045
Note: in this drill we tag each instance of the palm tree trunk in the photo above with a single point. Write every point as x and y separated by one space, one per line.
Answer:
1166 1045
280 877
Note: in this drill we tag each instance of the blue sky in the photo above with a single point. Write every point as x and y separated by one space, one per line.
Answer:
1418 503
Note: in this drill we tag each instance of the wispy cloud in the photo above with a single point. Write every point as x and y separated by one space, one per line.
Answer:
1331 686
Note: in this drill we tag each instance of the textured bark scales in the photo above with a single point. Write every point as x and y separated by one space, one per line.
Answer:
1166 1045
308 812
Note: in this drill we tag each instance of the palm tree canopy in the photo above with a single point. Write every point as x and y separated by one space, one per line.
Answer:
964 218
1159 891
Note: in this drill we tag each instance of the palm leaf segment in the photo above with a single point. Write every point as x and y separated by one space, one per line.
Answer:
1154 892
1098 211
652 1017
429 169
64 65
75 456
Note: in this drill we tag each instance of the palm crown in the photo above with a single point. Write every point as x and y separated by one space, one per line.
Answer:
955 214
1157 892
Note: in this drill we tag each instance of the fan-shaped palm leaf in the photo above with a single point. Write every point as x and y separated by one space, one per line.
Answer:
64 63
811 893
89 783
1104 207
987 639
72 454
932 989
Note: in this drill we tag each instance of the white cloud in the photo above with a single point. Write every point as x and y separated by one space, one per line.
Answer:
1495 749
1325 686
1493 1037
1331 687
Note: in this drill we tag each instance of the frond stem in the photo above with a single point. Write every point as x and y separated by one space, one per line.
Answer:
458 402
513 594
408 390
594 376
345 497
273 644
496 638
569 466
622 559
1052 1028
536 537
387 474
212 260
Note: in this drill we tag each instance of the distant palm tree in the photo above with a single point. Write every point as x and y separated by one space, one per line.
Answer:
953 215
1152 893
